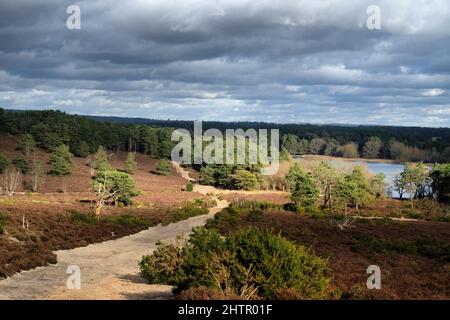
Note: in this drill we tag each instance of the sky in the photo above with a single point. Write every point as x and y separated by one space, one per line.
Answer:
275 61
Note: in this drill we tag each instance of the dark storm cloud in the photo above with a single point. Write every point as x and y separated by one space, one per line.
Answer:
286 61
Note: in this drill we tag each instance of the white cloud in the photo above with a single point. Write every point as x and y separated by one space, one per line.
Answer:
433 92
290 60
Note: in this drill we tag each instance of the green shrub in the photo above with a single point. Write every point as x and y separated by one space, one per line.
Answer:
2 222
255 205
128 220
225 218
443 218
245 180
248 263
203 203
279 263
413 214
189 210
255 215
82 218
433 249
163 265
189 187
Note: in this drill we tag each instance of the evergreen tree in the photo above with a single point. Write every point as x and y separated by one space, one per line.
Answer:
4 163
130 163
304 193
344 193
207 175
325 178
414 177
26 144
163 167
245 180
80 148
114 186
100 161
360 191
295 173
378 185
440 176
399 184
21 164
61 161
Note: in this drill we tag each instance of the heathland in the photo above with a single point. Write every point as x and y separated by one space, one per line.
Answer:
308 232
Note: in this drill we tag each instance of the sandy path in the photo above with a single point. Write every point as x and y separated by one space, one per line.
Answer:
183 173
109 270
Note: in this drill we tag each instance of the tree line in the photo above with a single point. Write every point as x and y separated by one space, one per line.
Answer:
372 147
85 134
326 188
418 182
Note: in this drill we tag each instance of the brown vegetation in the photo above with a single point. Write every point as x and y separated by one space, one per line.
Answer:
404 275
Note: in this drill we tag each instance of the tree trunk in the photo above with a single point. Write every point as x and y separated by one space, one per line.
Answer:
98 207
12 178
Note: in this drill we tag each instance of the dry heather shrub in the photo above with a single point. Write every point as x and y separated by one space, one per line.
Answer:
204 293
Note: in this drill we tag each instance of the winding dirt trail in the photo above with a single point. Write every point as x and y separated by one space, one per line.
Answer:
109 270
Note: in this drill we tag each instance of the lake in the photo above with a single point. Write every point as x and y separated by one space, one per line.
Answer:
389 169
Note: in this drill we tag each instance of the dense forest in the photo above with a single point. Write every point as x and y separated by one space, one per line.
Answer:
84 134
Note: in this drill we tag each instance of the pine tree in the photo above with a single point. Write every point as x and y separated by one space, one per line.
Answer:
163 167
100 161
4 163
360 191
245 180
130 163
20 163
113 186
61 161
304 193
26 144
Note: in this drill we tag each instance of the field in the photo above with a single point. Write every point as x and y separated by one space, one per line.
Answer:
410 245
409 270
39 223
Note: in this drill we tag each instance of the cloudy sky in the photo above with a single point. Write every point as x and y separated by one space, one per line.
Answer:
278 61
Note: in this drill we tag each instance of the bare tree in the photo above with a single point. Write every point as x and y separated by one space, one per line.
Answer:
12 179
37 173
